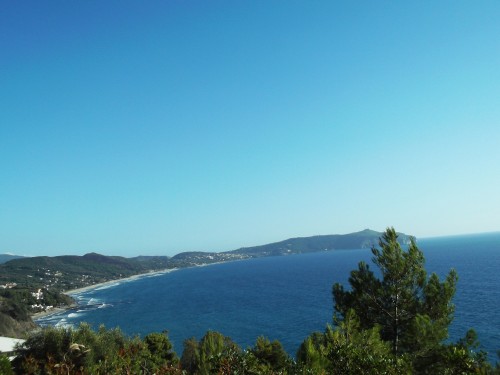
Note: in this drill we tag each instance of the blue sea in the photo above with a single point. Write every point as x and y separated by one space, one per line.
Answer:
284 298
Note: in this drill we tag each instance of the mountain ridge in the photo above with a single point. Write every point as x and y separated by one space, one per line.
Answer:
65 272
6 257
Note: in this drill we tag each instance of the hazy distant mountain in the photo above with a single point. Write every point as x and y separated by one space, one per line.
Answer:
6 257
358 240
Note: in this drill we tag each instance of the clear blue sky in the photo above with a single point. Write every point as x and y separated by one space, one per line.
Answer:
157 127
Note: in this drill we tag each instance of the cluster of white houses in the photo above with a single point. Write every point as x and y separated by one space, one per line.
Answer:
8 286
39 305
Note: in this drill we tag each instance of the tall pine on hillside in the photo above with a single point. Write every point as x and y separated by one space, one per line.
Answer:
412 310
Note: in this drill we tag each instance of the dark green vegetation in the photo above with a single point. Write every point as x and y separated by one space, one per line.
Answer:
5 366
395 323
16 309
71 271
84 351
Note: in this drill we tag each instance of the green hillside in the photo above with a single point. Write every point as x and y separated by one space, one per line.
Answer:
72 271
6 257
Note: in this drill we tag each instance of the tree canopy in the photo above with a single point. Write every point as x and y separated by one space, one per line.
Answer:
403 301
411 310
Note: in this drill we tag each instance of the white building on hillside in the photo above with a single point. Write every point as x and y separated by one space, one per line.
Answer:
7 345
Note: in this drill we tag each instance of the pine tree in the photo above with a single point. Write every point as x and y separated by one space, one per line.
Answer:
412 310
270 353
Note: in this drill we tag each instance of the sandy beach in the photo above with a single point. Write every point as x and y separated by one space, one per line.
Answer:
116 281
52 311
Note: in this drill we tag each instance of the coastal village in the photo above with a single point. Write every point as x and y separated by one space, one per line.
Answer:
40 305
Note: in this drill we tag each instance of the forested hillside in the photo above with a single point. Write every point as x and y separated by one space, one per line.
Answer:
6 257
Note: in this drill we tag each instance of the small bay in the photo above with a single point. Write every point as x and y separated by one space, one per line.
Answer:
284 298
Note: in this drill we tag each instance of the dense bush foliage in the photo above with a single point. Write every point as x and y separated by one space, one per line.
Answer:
14 303
5 366
84 351
395 324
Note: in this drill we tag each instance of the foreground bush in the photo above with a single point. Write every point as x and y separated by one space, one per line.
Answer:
84 351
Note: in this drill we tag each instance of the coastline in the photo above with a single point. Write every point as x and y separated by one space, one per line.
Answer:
109 283
55 310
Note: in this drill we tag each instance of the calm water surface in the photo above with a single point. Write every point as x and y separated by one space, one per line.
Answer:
284 298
